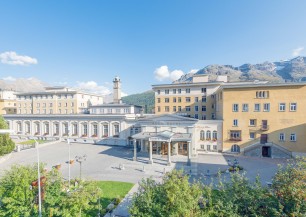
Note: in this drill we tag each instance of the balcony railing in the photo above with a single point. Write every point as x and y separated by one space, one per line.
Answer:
235 139
264 127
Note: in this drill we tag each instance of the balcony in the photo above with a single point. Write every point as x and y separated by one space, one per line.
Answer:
235 139
264 127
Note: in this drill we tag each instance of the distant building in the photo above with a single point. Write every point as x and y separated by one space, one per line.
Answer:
56 100
7 102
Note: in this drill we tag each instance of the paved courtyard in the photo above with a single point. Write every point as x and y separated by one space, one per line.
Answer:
103 162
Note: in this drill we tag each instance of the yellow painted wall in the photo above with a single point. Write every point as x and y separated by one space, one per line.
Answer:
279 122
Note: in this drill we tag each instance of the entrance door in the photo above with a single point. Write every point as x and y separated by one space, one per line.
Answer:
164 148
263 138
183 148
266 151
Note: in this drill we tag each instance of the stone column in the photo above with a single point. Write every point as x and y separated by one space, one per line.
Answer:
169 154
150 153
189 153
135 150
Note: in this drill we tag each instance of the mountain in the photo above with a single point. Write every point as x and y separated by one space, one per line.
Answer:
23 84
293 70
145 99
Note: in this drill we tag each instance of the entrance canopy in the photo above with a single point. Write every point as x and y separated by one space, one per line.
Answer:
164 136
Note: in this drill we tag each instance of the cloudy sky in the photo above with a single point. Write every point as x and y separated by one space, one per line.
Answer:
87 43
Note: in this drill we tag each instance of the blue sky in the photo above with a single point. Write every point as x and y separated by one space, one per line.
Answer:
87 43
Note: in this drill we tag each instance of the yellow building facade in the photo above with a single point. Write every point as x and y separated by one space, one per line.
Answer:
194 99
7 102
56 100
261 117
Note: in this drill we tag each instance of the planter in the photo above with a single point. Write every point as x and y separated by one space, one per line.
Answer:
58 166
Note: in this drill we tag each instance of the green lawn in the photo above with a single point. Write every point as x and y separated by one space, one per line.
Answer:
112 190
31 142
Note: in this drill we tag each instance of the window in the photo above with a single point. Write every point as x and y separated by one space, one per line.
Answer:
50 104
292 107
174 99
262 94
252 122
215 135
188 90
235 122
266 107
95 130
167 91
179 90
203 90
235 107
203 108
196 108
208 135
179 99
215 147
174 91
179 108
245 107
213 106
256 107
116 129
167 109
213 116
252 135
292 137
158 100
208 147
166 100
235 135
196 116
281 137
187 99
187 108
203 117
196 99
158 108
174 108
105 130
281 107
202 147
235 148
158 92
203 98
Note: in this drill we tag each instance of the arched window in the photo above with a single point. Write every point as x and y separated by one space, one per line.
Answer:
208 135
85 130
116 129
202 135
215 135
37 128
19 127
105 130
235 148
46 128
27 128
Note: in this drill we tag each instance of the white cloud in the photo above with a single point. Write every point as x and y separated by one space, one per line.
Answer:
296 52
176 74
163 73
12 58
9 78
93 87
192 71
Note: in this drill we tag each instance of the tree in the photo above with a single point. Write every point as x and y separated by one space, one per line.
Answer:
16 195
6 144
175 196
289 187
19 193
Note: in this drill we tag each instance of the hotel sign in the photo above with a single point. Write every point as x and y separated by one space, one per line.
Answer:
158 139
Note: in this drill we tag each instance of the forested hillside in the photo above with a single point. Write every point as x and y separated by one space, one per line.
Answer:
145 99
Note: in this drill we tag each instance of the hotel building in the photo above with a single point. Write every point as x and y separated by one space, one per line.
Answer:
56 100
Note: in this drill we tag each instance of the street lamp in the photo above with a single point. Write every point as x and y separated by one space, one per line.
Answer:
38 179
69 162
80 159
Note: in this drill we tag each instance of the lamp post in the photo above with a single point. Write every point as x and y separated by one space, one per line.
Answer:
69 162
80 159
38 174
